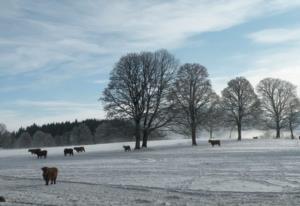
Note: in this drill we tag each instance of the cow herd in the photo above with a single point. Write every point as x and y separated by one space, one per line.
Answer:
50 174
43 153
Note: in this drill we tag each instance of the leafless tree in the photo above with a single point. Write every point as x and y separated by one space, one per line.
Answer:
214 116
190 95
240 103
293 115
158 69
137 90
275 96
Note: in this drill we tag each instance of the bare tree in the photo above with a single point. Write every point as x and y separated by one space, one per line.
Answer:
293 115
137 89
240 103
214 116
191 94
275 95
158 69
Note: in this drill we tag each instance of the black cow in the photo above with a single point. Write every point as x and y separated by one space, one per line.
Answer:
127 148
79 149
214 142
68 151
34 151
42 153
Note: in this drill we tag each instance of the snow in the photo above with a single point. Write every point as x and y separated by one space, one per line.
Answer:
170 172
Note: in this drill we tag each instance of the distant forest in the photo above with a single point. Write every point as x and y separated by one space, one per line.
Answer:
90 131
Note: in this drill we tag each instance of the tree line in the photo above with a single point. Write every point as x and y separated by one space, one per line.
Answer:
155 91
89 131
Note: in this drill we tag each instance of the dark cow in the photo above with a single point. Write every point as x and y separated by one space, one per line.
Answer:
127 148
255 137
79 149
2 199
50 174
42 153
214 142
68 151
34 151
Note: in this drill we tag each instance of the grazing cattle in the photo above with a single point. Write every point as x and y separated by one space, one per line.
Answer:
214 142
42 153
50 174
127 148
68 151
79 149
34 151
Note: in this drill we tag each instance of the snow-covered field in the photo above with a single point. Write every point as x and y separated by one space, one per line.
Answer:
171 172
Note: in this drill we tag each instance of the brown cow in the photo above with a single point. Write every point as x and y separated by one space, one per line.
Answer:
50 174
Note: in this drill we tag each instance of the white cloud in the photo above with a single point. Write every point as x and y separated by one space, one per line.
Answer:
276 35
53 32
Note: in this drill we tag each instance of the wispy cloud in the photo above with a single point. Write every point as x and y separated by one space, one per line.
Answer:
276 35
50 33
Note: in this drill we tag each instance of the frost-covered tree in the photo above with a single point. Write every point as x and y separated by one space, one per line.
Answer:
3 128
81 135
41 139
214 115
6 138
275 96
240 103
293 115
190 96
24 140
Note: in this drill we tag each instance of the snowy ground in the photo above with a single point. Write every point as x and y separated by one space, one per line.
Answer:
251 172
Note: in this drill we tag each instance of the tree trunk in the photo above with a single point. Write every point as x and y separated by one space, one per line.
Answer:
239 126
194 143
210 133
137 135
145 138
292 132
277 130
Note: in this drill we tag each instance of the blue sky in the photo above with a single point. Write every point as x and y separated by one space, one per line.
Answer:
55 56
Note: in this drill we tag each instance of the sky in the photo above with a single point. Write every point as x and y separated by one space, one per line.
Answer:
56 56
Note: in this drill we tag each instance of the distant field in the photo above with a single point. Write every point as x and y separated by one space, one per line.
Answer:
170 172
